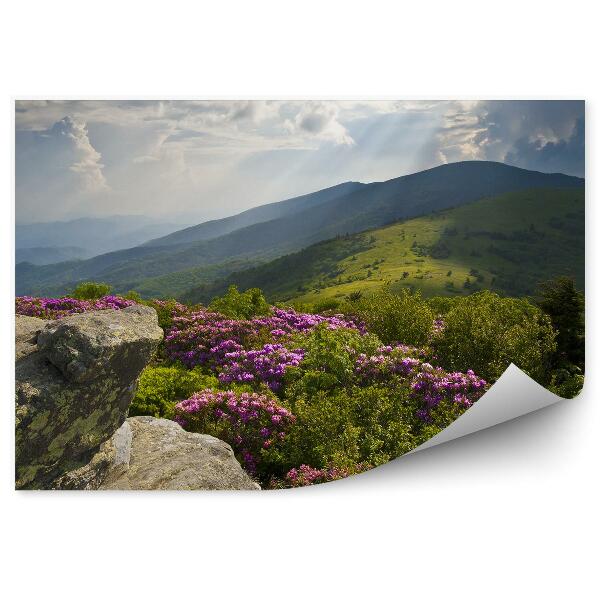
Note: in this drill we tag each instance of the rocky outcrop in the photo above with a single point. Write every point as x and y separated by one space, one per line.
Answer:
157 454
75 379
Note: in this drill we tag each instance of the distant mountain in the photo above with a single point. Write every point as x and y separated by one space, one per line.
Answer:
92 235
48 256
362 207
507 243
267 212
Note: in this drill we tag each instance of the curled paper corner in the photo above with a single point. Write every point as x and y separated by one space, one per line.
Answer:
513 395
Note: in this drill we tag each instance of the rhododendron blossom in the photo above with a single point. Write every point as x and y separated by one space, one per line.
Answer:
56 308
249 422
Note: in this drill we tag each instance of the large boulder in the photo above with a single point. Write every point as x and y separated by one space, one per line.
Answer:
26 334
75 379
157 454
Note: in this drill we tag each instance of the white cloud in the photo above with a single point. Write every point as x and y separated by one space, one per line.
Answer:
87 161
321 120
221 156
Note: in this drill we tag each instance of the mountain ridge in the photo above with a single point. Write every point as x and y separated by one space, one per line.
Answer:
258 214
507 243
365 207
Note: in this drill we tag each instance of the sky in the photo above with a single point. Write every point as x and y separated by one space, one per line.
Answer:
187 161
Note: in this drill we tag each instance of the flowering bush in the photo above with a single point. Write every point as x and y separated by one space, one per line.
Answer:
251 423
306 475
204 337
266 365
389 360
302 398
433 385
56 308
167 310
430 385
243 350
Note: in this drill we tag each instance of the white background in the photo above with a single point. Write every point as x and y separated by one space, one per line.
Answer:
507 513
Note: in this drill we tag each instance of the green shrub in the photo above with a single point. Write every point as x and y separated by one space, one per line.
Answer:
160 388
441 304
346 427
90 290
485 333
133 295
567 382
329 358
403 317
245 305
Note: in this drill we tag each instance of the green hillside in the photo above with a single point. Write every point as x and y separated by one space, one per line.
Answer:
322 216
507 243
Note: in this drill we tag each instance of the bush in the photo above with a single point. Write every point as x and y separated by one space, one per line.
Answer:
245 305
167 310
133 295
329 357
307 475
160 388
404 317
567 382
251 423
90 290
351 426
485 332
440 305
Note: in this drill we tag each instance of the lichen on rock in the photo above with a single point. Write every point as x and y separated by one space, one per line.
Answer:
75 379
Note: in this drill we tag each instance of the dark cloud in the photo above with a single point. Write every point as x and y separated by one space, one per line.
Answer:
544 135
565 155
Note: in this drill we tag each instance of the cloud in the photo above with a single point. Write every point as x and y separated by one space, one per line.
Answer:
87 161
552 155
57 168
321 120
217 157
145 159
546 135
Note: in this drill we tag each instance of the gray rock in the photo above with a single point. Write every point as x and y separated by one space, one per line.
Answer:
113 456
157 454
73 392
84 346
26 334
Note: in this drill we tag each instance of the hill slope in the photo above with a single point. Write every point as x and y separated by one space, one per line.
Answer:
259 214
508 243
369 206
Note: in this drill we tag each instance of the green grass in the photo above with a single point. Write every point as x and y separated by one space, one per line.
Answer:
508 244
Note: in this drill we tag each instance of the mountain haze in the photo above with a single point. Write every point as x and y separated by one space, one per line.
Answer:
345 209
259 214
86 237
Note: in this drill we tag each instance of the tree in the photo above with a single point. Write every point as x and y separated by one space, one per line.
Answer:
564 304
486 332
